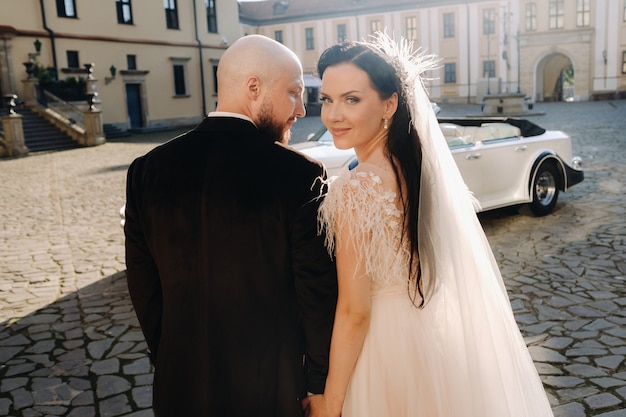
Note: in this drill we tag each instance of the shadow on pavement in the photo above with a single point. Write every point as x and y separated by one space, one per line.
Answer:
83 355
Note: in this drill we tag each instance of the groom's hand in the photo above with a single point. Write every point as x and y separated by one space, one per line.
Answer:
314 406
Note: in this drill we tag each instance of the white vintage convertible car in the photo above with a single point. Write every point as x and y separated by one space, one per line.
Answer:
504 161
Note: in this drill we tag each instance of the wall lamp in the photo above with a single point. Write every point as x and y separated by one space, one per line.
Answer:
604 56
113 71
33 56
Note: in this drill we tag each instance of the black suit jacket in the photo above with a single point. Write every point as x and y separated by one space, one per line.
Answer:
232 285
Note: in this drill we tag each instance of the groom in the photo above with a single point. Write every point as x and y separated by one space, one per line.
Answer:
233 288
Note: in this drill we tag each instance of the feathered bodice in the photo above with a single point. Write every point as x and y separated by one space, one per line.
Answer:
365 204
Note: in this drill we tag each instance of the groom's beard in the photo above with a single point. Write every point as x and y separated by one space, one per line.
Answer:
271 127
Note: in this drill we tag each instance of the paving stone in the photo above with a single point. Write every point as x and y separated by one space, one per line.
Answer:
617 332
9 384
547 369
619 319
585 371
586 352
542 354
571 394
143 379
569 410
590 344
604 400
108 385
549 313
83 412
142 396
563 381
585 312
585 335
84 398
73 344
599 324
610 362
558 343
98 348
51 410
135 336
611 341
115 406
6 353
619 350
119 348
608 382
573 325
21 398
107 366
140 366
569 301
31 412
142 413
42 346
616 413
606 305
20 369
16 340
526 319
73 355
39 319
5 404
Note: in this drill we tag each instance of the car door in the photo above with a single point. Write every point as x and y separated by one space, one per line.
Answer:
467 158
502 163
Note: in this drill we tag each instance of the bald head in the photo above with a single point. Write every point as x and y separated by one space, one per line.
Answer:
253 56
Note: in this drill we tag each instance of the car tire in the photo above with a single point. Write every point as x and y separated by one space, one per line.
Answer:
545 189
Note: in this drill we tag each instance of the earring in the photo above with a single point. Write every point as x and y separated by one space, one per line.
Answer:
385 123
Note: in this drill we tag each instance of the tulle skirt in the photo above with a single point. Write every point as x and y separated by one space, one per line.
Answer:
425 362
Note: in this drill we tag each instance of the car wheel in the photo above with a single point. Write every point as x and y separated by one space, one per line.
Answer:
545 189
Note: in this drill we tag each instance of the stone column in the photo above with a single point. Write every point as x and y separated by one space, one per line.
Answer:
7 77
94 131
13 144
30 91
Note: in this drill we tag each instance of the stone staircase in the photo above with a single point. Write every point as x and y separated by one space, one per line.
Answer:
40 135
112 132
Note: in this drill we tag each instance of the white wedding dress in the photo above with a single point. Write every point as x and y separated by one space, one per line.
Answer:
462 355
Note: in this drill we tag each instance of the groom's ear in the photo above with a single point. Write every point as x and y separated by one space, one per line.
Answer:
253 87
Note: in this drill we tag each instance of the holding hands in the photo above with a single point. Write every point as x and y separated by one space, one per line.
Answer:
317 406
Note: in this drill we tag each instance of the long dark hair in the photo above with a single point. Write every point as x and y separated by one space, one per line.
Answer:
403 144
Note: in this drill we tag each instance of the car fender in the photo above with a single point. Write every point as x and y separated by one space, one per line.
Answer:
543 156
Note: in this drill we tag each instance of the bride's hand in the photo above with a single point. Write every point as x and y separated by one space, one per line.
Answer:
315 406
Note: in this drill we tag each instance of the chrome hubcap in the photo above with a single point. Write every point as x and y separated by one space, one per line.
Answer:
545 188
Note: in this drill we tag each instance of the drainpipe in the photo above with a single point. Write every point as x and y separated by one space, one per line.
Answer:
195 24
52 41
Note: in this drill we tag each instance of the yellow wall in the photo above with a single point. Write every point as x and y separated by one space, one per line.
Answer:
98 38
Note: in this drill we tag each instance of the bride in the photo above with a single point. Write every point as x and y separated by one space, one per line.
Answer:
423 325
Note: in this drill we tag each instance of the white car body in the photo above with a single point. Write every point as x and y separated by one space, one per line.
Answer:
504 162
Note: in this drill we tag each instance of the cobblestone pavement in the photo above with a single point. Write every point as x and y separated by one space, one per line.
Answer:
69 340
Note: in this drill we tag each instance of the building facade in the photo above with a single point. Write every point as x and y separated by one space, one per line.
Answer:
546 49
155 61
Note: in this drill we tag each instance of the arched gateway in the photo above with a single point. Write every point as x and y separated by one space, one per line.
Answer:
554 78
